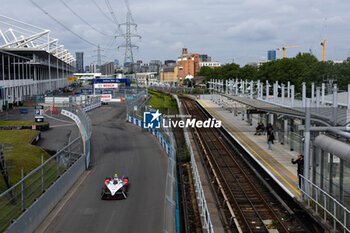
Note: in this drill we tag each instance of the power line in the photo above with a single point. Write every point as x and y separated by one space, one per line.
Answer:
98 7
73 12
64 26
112 14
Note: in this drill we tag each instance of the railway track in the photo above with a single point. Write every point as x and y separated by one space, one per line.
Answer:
247 210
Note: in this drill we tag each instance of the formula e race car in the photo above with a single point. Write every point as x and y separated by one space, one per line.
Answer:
115 188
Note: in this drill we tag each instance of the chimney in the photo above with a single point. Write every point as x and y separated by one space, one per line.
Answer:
184 51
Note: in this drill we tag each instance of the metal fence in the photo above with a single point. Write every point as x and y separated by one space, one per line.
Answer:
325 205
20 196
165 136
136 104
15 200
187 90
207 224
171 223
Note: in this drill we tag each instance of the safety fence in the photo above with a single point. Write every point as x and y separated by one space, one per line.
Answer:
16 200
325 205
92 106
166 138
136 104
202 203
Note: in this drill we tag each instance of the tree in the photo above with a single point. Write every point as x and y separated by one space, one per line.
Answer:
305 67
248 72
189 82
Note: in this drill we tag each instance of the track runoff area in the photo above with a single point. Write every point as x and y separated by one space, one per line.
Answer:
248 200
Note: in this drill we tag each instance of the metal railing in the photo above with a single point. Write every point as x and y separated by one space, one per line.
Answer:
325 205
165 136
136 105
15 200
171 223
20 196
207 224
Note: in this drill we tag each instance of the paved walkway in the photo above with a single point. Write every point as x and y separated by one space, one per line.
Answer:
61 127
277 162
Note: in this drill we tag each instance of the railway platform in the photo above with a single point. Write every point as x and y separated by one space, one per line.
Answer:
276 162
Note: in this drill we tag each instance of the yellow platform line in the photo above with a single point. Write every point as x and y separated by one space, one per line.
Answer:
220 118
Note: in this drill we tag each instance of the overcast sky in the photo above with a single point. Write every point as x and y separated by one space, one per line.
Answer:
223 29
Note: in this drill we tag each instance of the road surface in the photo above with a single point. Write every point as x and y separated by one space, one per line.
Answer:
118 147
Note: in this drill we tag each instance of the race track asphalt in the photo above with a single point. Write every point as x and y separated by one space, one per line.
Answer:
118 147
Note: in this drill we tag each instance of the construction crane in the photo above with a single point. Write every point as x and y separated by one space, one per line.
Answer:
287 47
323 44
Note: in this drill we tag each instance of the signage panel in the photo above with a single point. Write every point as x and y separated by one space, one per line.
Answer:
106 85
97 91
106 98
39 113
72 79
113 80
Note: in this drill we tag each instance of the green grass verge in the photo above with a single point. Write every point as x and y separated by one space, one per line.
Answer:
22 155
20 123
166 104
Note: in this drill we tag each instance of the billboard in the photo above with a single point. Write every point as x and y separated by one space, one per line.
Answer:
106 85
113 80
106 98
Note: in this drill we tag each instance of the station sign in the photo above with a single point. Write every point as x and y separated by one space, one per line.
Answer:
39 113
106 85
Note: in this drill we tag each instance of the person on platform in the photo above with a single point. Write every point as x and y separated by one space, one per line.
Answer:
260 128
300 169
270 137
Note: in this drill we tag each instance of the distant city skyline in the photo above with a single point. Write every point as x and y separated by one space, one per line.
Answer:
226 30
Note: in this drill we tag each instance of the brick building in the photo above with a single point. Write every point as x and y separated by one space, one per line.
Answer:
169 75
188 64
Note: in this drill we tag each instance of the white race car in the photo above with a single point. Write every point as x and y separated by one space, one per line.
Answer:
115 188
